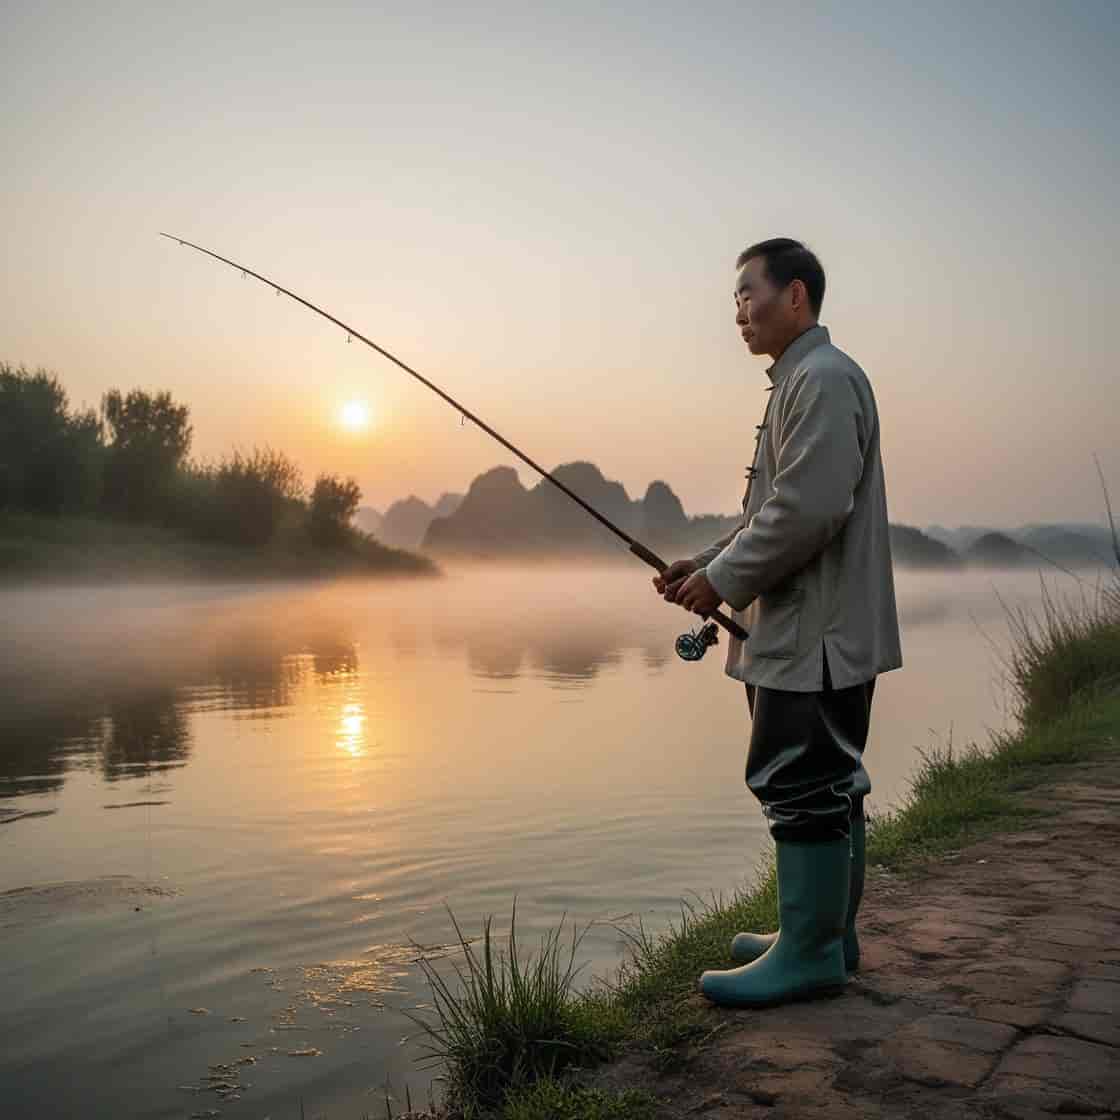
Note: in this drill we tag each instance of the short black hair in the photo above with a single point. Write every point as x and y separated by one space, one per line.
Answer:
788 260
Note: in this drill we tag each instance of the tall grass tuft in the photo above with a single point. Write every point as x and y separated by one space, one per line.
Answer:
1071 650
512 1021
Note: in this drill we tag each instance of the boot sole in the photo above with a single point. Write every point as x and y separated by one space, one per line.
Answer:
850 969
830 991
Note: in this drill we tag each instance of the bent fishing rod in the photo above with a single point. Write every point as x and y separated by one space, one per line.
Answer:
691 646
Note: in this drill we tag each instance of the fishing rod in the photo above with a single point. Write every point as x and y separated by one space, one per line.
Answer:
691 646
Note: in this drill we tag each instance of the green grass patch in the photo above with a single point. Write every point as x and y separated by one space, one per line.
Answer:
550 1099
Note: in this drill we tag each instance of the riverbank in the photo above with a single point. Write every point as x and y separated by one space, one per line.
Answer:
36 549
990 926
989 987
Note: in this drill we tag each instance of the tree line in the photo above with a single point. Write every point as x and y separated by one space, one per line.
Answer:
131 460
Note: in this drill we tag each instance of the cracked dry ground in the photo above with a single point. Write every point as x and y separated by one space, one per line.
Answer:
989 988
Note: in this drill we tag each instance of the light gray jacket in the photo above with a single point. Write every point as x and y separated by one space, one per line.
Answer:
810 568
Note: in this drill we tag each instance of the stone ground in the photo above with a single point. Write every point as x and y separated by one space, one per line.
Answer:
990 987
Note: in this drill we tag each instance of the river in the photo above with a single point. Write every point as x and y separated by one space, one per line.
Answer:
232 817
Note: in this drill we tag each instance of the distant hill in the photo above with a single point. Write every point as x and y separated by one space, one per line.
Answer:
405 522
998 550
959 539
1072 545
447 504
499 516
368 520
911 548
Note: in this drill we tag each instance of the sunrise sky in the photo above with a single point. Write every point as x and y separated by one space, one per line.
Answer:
539 207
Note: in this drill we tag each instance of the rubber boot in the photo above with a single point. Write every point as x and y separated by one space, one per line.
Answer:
747 947
807 959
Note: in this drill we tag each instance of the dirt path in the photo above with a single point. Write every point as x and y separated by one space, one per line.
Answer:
990 988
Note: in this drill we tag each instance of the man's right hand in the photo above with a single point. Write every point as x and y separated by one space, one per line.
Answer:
669 582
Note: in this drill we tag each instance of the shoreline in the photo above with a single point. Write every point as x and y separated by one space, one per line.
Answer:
49 552
989 985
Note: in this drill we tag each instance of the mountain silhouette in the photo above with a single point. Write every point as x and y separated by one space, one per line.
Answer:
998 550
500 517
1071 544
369 521
1073 547
911 548
405 522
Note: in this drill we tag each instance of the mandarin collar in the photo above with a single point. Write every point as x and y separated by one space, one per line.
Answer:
807 340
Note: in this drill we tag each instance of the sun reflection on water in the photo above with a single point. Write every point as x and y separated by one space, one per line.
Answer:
351 730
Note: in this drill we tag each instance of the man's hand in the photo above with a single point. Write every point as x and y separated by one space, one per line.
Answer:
682 582
698 594
670 581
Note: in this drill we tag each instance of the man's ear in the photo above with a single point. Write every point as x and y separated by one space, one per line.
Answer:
798 294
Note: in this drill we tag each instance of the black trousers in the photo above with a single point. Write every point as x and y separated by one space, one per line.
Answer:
805 760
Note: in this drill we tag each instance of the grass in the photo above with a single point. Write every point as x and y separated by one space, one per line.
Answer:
512 1022
92 549
506 1035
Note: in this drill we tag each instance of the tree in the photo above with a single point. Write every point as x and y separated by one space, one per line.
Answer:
252 493
50 458
151 436
333 503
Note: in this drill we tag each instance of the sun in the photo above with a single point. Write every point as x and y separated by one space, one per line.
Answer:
354 415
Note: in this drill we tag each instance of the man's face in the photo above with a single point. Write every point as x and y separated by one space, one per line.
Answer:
762 311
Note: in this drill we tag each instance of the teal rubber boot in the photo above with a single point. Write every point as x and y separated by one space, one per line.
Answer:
747 947
807 959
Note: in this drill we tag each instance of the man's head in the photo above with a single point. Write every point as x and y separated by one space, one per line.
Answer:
778 294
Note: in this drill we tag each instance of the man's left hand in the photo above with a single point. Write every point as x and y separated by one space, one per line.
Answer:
698 595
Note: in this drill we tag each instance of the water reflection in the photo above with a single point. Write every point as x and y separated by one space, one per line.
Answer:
40 746
144 733
351 730
335 658
114 688
122 735
551 644
254 679
126 713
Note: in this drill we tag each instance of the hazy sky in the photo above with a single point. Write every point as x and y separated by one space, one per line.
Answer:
539 206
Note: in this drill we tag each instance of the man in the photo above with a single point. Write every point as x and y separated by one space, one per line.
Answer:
809 575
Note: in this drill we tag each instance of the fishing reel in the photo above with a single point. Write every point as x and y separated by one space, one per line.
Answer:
693 645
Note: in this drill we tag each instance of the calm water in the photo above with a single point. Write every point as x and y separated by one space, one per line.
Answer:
230 816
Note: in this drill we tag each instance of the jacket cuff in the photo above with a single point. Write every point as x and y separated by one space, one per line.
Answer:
723 581
703 559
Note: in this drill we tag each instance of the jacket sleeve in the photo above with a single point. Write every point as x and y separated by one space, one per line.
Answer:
701 559
819 452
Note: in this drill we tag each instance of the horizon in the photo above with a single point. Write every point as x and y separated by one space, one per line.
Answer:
1101 523
540 211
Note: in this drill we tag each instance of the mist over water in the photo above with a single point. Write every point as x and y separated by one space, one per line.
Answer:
229 815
